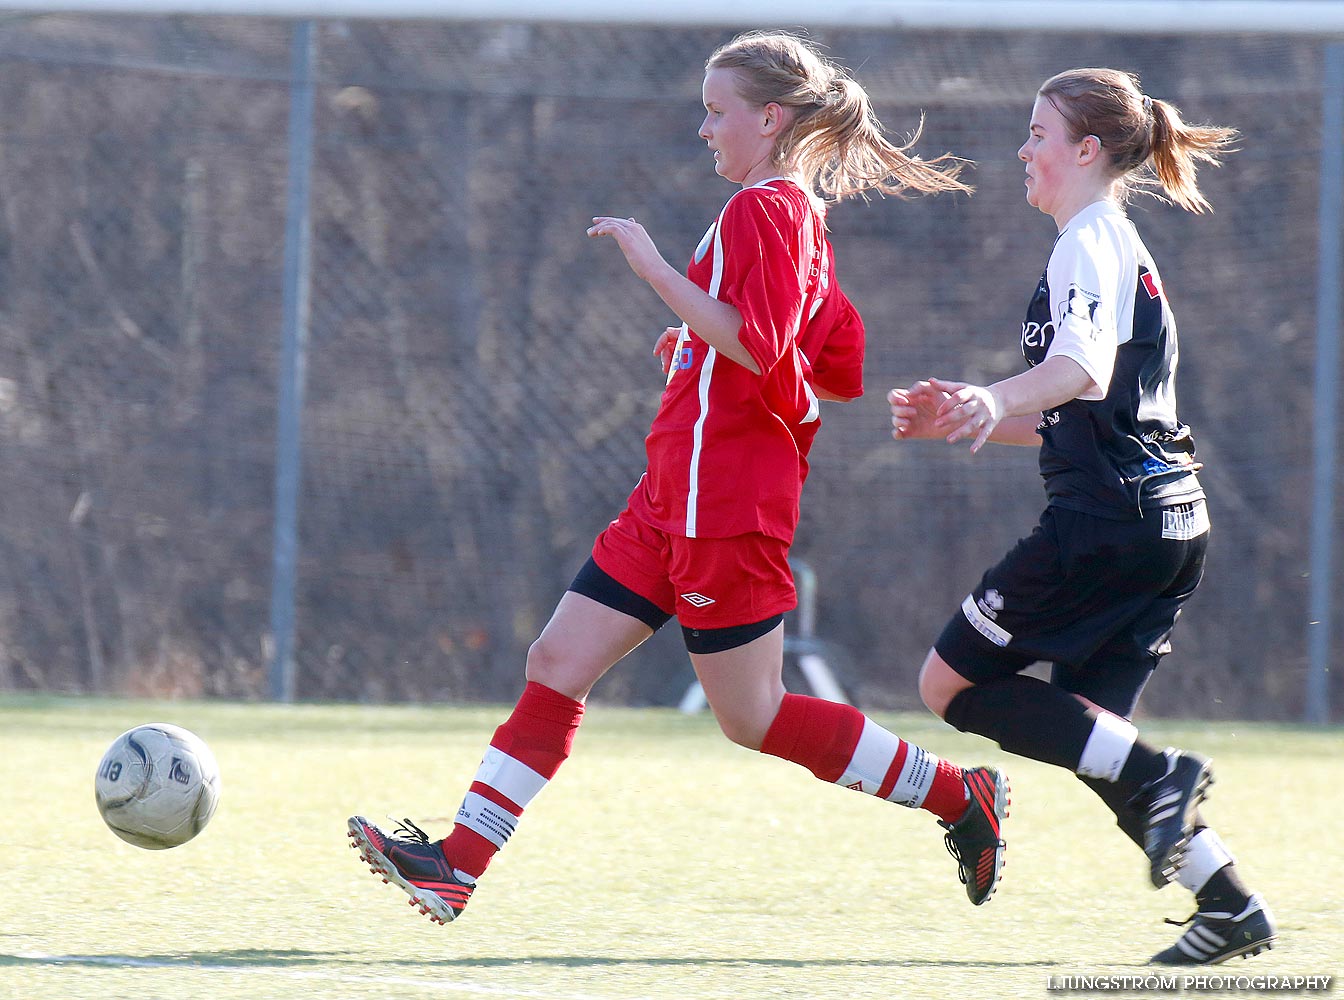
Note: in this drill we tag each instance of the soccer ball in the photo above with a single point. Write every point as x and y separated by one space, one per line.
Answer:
157 786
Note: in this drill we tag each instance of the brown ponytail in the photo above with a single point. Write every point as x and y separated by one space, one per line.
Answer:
1146 140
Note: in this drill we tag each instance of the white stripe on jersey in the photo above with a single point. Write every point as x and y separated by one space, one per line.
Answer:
813 405
706 376
676 351
698 438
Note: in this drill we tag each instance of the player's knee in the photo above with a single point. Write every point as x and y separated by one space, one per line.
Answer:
935 688
546 663
742 728
744 720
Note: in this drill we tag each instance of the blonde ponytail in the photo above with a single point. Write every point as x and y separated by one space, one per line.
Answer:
834 143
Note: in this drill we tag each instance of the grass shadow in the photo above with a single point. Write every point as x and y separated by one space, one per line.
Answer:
255 958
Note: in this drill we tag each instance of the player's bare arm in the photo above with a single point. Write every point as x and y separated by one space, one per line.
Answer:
717 323
914 415
830 397
974 411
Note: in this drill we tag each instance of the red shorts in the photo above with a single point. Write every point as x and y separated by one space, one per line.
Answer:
703 582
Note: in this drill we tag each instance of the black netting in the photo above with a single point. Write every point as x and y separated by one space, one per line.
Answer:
479 378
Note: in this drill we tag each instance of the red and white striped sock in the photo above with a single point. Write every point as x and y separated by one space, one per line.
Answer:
840 744
523 756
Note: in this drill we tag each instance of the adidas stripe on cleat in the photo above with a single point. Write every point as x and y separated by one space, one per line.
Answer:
1216 937
407 859
1169 805
975 840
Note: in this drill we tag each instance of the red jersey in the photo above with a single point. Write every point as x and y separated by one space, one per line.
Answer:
727 451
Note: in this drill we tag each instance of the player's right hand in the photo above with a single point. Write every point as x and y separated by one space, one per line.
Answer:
666 346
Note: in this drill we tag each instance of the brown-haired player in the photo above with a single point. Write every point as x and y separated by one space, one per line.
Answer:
1097 587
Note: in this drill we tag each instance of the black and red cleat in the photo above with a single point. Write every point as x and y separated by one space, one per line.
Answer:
407 859
976 840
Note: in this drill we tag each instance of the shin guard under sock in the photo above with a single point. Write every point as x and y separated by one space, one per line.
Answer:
839 744
1032 718
523 756
1025 716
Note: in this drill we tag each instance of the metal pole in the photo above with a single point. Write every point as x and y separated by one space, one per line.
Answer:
293 361
1331 215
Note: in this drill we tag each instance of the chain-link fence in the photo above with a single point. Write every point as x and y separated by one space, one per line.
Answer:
479 373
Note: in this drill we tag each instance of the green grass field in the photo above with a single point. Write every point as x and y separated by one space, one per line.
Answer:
662 862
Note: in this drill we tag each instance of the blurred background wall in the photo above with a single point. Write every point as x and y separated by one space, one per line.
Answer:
479 376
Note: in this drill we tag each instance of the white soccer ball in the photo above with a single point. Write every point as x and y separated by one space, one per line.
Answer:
157 786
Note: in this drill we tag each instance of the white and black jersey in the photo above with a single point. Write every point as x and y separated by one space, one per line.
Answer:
1121 448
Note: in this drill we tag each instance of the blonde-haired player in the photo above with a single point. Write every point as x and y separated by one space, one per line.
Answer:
705 535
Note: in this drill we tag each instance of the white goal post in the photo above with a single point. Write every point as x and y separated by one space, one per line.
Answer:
1308 17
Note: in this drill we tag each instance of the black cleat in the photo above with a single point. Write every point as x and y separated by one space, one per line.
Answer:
407 859
975 840
1168 805
1216 937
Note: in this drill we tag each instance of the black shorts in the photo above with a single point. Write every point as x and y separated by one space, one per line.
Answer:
1097 598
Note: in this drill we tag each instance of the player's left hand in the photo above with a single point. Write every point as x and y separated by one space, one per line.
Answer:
638 247
968 411
914 411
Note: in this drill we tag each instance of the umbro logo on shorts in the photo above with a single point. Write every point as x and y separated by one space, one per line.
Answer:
699 600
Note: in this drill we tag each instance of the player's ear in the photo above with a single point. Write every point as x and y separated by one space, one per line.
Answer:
1089 149
772 118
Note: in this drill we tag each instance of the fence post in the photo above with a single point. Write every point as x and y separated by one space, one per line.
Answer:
293 361
1331 219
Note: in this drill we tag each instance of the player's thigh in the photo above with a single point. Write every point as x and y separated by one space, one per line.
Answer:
732 594
1112 679
1116 672
582 641
994 632
744 686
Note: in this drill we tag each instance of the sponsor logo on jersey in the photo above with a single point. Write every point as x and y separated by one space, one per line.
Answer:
1082 303
698 600
1037 335
1150 282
